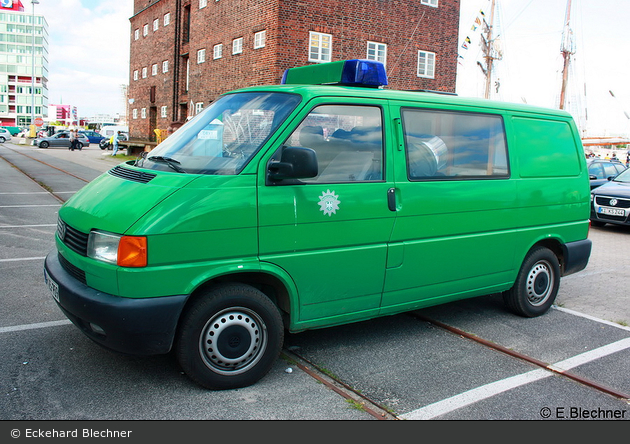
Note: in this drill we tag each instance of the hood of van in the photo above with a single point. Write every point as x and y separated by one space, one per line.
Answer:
117 199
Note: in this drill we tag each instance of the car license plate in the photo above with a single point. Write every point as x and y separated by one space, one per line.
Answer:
52 286
612 211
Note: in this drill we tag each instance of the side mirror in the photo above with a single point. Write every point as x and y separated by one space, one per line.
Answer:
295 163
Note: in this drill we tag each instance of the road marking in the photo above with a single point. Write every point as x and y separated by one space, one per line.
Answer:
23 259
592 318
486 391
33 326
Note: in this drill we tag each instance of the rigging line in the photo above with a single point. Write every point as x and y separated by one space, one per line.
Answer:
393 69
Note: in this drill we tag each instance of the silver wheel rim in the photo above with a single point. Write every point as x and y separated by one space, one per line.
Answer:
540 283
233 341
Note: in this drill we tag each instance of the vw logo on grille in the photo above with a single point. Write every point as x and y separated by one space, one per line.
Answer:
61 231
613 202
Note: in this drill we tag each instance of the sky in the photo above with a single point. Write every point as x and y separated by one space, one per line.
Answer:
530 34
89 58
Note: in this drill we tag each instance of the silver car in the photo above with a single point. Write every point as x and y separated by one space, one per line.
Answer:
5 135
62 138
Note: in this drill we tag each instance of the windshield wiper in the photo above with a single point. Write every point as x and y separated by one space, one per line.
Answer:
169 161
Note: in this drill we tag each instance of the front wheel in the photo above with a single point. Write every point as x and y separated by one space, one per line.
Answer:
230 337
536 285
43 145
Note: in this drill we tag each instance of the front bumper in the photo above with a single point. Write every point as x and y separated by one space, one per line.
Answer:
142 326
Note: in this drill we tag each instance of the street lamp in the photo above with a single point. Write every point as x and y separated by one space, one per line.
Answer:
34 2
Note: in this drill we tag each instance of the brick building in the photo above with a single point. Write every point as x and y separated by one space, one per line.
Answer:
184 53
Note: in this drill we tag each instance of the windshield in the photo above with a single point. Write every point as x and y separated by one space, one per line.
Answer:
223 137
624 176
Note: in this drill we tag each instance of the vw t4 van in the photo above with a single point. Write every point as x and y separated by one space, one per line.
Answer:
325 200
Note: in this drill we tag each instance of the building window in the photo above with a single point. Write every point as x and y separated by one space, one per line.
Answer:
156 24
201 56
203 4
320 47
143 113
259 39
165 66
433 3
218 51
237 45
136 34
198 107
154 70
135 75
135 113
163 111
377 51
426 64
167 18
144 73
145 30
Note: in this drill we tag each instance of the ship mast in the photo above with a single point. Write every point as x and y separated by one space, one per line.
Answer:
568 49
489 48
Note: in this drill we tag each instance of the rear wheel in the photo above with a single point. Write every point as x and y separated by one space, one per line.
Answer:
536 285
230 337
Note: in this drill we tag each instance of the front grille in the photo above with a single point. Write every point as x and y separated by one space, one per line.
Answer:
76 272
136 176
605 201
74 239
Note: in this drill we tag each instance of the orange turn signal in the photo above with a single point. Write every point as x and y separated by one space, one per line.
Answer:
132 251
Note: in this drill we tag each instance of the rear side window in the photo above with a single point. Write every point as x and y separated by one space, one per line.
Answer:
546 148
454 145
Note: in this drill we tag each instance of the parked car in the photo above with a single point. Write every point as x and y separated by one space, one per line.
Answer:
601 170
93 136
62 138
5 135
105 145
610 203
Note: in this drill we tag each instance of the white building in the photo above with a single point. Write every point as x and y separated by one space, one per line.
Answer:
19 39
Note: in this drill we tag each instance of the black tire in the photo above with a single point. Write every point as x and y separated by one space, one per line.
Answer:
2 139
79 146
230 337
43 144
536 285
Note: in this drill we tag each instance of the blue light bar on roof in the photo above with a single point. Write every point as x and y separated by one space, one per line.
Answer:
366 73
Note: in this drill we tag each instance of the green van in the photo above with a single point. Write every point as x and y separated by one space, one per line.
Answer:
325 200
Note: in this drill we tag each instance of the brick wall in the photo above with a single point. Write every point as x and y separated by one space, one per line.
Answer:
405 26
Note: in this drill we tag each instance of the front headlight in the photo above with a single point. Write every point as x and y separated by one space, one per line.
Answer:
125 251
103 246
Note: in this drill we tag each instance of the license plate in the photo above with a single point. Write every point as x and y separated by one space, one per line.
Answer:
612 211
52 286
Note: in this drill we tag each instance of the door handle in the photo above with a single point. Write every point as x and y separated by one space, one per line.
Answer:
391 199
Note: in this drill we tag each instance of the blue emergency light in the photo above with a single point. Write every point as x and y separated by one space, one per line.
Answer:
366 73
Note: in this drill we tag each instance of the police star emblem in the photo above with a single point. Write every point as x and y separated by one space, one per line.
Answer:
329 203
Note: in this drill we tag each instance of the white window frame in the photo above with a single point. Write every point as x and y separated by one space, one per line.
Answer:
135 74
237 46
217 51
203 4
136 34
143 113
156 24
260 39
144 72
164 66
167 19
201 56
135 113
321 43
145 30
432 3
154 70
163 111
198 107
426 64
377 48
